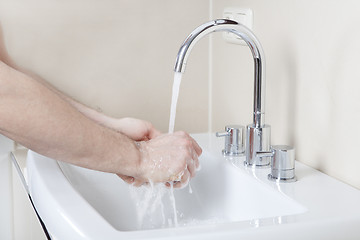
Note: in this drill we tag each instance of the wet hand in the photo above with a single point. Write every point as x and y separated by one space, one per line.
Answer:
167 158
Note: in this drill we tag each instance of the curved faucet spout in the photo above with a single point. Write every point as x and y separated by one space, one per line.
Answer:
256 50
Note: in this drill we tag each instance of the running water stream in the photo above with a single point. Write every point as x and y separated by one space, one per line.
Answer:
156 205
174 100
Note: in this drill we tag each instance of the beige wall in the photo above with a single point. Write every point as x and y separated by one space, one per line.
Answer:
113 55
313 99
94 52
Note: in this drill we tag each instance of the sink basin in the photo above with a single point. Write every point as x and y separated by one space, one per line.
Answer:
220 193
225 199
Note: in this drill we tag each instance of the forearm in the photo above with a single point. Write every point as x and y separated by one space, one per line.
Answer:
133 128
43 119
89 112
34 116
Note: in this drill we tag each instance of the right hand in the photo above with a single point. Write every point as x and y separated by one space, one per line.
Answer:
167 158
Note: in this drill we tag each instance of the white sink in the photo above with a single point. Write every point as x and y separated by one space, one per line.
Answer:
228 201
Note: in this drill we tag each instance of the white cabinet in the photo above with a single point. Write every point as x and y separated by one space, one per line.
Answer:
18 220
6 229
25 222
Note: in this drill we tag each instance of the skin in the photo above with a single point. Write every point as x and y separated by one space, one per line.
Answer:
43 119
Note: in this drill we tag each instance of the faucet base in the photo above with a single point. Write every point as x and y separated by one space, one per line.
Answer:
281 180
257 140
232 154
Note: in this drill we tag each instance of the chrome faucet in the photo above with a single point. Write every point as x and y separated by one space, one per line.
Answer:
257 133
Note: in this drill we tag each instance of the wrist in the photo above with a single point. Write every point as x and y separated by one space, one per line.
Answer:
139 170
132 159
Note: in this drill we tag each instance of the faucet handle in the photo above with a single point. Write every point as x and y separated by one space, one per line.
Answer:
282 164
234 140
222 134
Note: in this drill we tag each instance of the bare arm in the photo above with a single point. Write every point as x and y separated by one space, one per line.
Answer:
59 127
34 116
136 129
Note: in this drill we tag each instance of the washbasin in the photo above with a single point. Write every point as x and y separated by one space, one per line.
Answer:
219 193
225 198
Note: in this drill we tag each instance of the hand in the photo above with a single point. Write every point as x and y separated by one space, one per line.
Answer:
136 129
167 158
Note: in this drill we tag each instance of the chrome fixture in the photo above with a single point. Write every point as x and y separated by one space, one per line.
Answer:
234 140
282 163
258 134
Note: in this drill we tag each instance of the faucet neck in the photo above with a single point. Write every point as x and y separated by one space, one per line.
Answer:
256 50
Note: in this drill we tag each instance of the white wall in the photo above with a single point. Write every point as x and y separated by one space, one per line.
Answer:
313 99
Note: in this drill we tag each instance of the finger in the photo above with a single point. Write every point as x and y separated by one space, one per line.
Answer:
127 179
176 184
154 133
191 165
180 133
197 166
196 146
196 162
184 180
138 183
131 180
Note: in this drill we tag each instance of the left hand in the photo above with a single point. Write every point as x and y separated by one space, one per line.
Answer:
136 129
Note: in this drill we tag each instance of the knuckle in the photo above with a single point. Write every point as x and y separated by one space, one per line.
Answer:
184 142
188 143
189 156
183 165
182 133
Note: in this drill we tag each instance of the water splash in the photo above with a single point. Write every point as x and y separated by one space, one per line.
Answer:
150 209
190 188
173 202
